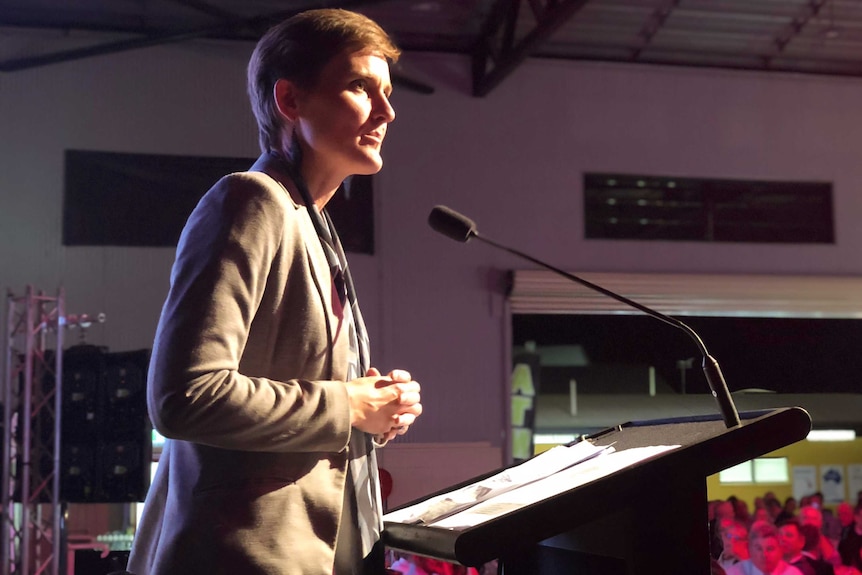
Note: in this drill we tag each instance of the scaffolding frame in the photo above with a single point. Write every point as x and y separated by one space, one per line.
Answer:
31 532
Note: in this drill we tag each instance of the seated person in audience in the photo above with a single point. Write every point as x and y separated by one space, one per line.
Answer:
765 554
761 514
787 512
723 513
830 525
844 511
812 543
810 515
812 539
741 512
734 539
773 507
409 564
850 547
793 547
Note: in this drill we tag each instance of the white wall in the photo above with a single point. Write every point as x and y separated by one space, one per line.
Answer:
513 161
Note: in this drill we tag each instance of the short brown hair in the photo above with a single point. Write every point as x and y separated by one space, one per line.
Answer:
298 49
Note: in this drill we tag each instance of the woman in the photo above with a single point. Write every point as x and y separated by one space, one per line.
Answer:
260 376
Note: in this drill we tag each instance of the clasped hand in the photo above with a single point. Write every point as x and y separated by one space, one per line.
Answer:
384 405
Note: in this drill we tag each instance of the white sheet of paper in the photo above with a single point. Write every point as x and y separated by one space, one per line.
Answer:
595 468
534 469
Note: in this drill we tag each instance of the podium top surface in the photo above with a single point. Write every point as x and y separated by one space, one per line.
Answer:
706 446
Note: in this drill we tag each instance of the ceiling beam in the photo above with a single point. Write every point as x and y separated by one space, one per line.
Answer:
28 62
208 9
497 54
795 28
229 21
653 25
255 26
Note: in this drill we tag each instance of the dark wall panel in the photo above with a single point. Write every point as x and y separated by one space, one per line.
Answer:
116 199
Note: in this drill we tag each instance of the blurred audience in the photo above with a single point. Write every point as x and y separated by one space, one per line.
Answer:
850 546
408 564
787 512
793 548
734 539
844 511
809 539
743 515
811 515
765 554
722 514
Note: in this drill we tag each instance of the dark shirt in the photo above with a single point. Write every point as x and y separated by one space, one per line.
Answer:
811 566
849 548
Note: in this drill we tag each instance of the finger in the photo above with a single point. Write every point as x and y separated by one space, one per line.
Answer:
414 410
400 375
408 387
405 420
409 398
372 372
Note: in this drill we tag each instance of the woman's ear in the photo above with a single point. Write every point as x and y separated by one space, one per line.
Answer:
285 95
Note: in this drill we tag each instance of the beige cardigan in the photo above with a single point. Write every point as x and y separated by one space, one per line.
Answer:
244 383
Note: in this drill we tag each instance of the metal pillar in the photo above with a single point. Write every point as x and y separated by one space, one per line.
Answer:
32 513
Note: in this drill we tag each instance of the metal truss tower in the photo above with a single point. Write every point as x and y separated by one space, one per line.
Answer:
31 532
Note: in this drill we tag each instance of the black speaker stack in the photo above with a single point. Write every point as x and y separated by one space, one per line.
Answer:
106 436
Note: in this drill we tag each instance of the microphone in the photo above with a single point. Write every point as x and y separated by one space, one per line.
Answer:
452 224
461 228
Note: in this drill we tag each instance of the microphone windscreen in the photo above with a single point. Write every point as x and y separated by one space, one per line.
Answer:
451 224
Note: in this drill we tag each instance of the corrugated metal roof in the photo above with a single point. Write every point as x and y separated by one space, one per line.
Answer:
807 36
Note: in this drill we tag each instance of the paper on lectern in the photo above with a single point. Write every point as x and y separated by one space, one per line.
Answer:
554 484
530 471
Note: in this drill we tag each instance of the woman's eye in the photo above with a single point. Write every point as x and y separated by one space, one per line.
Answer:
360 85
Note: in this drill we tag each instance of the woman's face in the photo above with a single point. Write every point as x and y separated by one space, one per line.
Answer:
341 121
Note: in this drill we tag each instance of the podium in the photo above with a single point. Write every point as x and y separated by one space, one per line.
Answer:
650 517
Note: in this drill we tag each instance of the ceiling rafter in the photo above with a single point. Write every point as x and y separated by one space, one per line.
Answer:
653 25
497 54
794 29
230 22
806 36
28 62
210 10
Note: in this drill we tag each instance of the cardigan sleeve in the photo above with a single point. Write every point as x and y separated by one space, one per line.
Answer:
222 270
